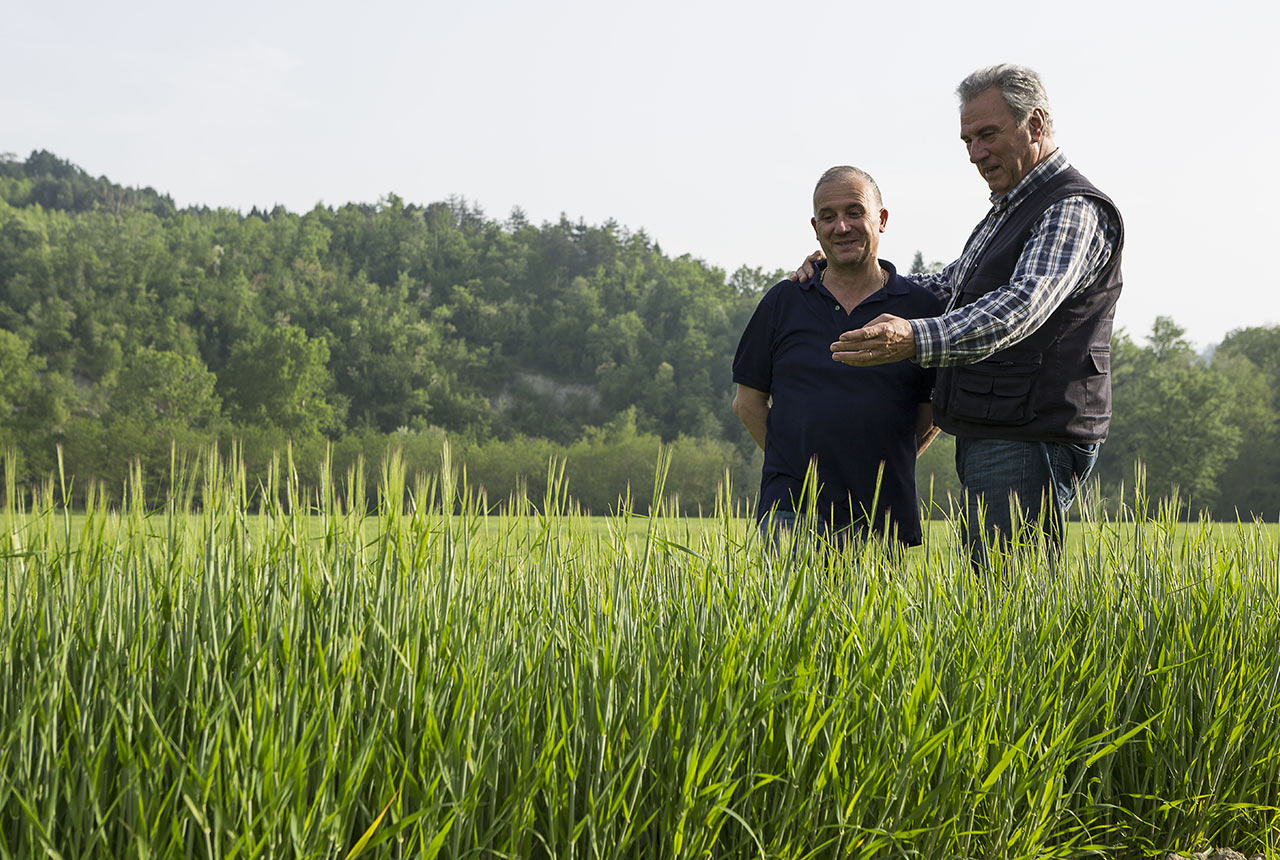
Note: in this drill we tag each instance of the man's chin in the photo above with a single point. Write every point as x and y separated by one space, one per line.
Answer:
998 185
849 260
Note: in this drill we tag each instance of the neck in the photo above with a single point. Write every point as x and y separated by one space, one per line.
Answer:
1047 148
852 285
861 280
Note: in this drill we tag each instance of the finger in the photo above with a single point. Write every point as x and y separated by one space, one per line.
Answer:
856 335
860 358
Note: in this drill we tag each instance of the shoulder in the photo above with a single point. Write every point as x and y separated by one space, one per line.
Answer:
1073 188
931 304
1081 211
784 293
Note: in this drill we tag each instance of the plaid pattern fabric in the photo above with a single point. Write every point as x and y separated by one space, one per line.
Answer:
1068 248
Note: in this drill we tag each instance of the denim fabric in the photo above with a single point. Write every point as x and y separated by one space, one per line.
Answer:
1000 476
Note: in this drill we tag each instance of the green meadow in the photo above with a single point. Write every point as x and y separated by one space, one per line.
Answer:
275 671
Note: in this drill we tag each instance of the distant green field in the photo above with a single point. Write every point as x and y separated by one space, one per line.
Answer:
690 531
315 682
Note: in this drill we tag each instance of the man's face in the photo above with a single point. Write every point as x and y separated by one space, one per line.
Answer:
848 221
1002 150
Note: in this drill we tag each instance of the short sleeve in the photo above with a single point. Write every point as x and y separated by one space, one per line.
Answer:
753 362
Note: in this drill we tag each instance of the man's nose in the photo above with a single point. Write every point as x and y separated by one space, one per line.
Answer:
977 151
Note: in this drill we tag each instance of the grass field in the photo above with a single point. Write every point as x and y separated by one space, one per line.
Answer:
692 531
306 680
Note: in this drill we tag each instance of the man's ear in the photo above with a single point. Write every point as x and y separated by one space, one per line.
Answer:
1035 124
884 218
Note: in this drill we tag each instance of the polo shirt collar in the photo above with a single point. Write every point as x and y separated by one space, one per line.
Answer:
894 286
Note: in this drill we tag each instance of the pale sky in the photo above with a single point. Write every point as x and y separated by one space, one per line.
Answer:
704 123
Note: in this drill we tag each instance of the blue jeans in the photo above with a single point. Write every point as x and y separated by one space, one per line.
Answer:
1038 479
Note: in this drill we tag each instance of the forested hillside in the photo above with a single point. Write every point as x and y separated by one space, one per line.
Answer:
127 324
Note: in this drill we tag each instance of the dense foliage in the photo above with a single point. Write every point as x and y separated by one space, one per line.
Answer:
129 326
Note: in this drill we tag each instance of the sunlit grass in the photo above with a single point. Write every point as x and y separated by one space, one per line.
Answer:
694 529
282 674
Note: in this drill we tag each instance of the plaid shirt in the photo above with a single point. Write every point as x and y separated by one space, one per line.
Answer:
1068 248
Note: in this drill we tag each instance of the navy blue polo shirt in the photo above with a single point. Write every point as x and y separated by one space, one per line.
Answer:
851 419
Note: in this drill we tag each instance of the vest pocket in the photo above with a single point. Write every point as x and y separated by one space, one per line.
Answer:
1097 382
996 391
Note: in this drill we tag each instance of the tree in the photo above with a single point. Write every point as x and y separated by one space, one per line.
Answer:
161 400
159 388
33 406
1250 359
1174 413
279 378
919 267
753 283
19 380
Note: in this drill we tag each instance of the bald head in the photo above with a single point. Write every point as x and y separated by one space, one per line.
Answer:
845 173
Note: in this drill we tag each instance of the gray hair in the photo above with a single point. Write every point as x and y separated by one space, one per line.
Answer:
844 171
1021 87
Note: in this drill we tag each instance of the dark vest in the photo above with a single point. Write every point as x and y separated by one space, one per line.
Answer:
1055 384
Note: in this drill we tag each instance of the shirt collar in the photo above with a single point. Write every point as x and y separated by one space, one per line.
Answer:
894 286
1036 176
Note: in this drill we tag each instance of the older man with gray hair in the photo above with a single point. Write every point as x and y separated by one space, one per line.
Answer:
1024 346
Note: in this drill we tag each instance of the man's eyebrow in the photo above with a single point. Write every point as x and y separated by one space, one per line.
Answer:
986 128
845 207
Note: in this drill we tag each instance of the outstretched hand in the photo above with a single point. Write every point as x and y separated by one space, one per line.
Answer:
808 267
884 340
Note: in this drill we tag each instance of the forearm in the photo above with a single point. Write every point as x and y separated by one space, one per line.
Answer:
925 439
752 409
1068 249
756 422
997 320
926 431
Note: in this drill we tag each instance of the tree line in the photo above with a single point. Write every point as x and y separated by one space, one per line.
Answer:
131 328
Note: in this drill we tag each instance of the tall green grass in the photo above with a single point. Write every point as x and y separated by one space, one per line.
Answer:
270 676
